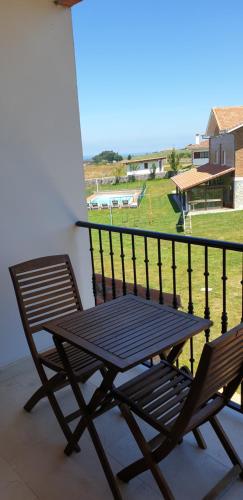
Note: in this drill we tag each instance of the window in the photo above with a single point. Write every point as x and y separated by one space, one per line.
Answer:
216 157
146 165
200 154
224 158
204 154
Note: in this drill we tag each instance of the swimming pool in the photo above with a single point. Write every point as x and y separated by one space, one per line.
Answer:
109 198
116 199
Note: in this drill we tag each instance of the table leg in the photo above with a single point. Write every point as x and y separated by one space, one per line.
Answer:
88 411
175 353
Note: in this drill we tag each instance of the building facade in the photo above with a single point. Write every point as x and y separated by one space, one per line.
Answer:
199 151
218 183
145 166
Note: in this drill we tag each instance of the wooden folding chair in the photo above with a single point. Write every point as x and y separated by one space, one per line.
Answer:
45 289
174 403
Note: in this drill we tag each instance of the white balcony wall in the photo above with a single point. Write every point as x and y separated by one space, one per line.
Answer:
42 187
141 170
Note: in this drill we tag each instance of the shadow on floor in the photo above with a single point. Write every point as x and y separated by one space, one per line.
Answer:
179 224
173 203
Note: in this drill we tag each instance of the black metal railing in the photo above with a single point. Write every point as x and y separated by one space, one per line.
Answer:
203 276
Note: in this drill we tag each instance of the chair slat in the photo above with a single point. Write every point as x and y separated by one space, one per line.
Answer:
38 293
46 284
26 271
54 307
42 303
174 392
53 314
130 387
35 280
152 385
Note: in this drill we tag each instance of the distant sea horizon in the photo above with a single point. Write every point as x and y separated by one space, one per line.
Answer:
139 153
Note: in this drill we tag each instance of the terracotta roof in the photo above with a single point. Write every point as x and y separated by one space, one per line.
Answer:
197 176
197 147
141 160
228 117
67 3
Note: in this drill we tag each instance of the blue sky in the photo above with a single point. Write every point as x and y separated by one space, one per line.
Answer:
150 71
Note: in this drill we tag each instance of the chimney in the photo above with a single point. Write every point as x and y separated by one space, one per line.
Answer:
197 139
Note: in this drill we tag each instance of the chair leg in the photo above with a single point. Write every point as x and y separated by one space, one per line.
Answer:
199 439
224 483
226 443
37 396
50 386
60 418
147 462
55 383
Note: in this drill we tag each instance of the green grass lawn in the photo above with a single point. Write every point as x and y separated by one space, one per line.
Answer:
157 212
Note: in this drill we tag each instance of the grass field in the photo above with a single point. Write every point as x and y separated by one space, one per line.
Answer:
157 212
93 171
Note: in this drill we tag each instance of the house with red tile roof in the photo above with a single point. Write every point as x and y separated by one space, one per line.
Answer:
144 166
199 151
218 183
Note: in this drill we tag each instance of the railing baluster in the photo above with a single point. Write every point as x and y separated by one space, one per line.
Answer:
190 270
135 290
207 309
102 266
122 255
146 261
159 264
172 239
92 265
112 267
241 386
175 305
190 303
241 397
241 288
224 317
173 267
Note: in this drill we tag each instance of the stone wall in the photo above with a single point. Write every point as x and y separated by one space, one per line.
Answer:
239 152
123 179
238 192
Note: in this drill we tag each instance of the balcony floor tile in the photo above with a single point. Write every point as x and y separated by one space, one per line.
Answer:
33 466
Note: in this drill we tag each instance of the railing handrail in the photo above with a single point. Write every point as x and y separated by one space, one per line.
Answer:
193 240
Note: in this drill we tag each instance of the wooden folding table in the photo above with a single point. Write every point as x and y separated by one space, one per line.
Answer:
122 333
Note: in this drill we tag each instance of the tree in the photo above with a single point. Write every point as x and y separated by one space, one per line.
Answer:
107 157
129 157
173 159
118 174
152 171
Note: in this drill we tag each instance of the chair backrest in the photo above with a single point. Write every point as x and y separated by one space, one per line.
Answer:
220 367
45 289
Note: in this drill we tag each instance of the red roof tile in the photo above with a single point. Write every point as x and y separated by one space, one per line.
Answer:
197 176
196 147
